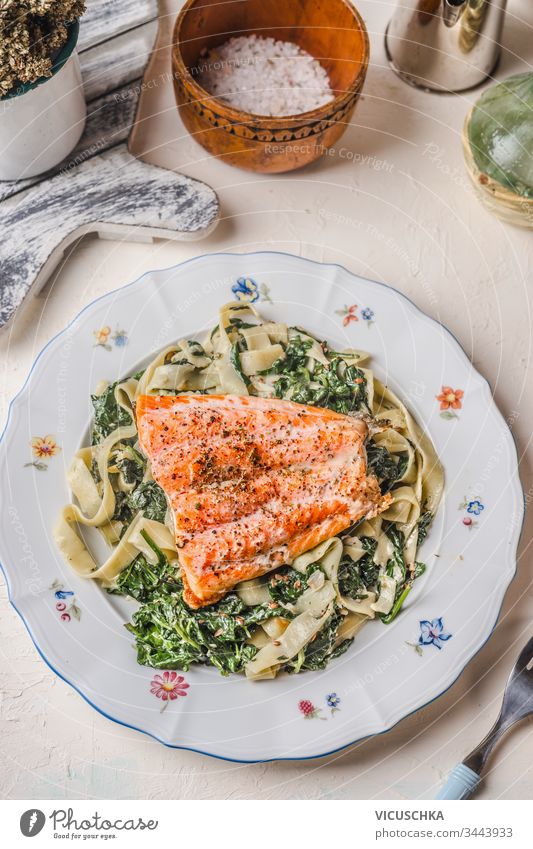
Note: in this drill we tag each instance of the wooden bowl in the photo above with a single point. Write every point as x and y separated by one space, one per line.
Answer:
330 30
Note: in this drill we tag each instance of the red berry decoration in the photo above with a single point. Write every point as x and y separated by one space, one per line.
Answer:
467 521
309 710
306 707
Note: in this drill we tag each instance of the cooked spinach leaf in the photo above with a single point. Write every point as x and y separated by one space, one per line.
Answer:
419 570
122 511
338 386
350 581
398 603
356 577
341 648
150 499
403 588
132 469
296 353
141 579
235 360
239 324
108 415
319 651
367 567
397 537
170 635
387 467
423 525
287 585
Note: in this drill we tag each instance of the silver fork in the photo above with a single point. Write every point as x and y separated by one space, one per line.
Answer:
517 704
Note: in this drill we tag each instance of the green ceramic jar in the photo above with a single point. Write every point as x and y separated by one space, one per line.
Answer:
498 144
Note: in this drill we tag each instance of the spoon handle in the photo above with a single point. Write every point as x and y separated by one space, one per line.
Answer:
461 783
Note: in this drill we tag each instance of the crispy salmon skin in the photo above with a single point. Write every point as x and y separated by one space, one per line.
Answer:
252 482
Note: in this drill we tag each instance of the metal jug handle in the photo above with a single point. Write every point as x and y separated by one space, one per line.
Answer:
452 11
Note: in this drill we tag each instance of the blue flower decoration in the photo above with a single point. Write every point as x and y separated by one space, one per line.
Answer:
367 314
120 339
62 594
333 700
246 289
432 633
475 507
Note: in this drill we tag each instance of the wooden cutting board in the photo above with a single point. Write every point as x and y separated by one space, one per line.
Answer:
100 187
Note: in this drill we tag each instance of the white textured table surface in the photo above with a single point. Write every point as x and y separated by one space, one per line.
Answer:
392 203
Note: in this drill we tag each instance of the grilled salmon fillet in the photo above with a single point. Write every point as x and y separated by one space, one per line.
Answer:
252 482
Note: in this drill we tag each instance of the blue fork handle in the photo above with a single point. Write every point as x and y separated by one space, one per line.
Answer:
461 783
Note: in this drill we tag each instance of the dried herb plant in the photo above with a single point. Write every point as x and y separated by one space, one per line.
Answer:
31 34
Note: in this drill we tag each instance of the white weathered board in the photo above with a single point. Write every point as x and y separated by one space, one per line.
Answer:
100 187
105 19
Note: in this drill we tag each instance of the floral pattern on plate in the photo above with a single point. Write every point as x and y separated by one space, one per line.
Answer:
168 687
105 338
450 400
432 633
473 507
65 603
248 291
368 316
309 711
43 448
333 701
349 315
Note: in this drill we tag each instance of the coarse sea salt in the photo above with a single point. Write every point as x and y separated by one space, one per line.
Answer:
264 76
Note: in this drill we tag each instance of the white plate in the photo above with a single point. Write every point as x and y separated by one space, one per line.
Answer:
388 672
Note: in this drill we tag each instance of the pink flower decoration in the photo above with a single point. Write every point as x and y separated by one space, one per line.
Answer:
169 685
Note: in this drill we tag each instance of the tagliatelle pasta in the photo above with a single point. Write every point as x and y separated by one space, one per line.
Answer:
306 613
